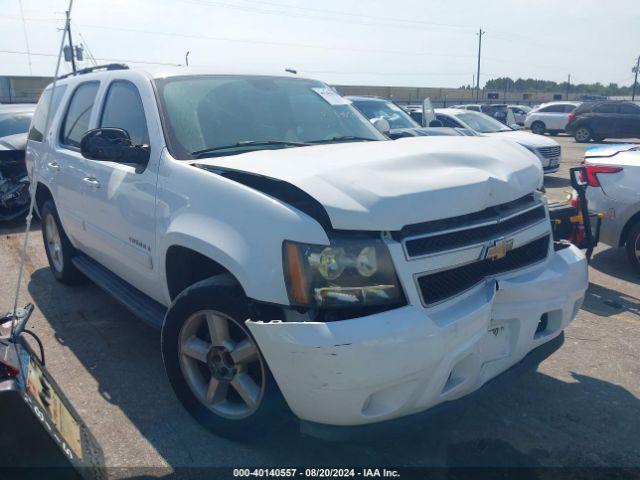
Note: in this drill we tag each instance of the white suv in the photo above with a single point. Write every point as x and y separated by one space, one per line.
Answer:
550 117
284 246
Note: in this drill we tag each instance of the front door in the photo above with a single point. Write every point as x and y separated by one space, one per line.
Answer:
121 204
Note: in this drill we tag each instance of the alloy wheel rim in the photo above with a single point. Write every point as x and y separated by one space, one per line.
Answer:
54 244
221 364
582 134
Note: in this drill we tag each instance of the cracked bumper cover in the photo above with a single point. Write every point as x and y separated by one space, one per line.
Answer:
404 361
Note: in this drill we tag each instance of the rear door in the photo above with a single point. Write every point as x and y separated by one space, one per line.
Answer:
604 121
121 204
69 165
629 123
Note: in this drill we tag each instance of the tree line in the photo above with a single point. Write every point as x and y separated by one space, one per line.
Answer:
534 85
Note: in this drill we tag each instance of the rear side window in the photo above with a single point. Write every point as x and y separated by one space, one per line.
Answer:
569 108
123 109
553 109
606 108
76 120
628 109
38 125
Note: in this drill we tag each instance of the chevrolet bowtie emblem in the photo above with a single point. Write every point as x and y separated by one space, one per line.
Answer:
499 249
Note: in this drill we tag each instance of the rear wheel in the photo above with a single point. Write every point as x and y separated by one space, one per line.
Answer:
633 246
583 134
58 246
213 363
538 127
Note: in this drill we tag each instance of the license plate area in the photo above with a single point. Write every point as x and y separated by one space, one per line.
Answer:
496 343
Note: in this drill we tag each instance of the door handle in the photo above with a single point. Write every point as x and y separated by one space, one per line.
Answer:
54 166
91 181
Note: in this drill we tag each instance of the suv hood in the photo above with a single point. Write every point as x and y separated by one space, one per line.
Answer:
525 138
385 185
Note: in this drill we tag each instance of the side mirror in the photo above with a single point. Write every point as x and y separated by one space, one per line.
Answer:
435 123
112 145
381 124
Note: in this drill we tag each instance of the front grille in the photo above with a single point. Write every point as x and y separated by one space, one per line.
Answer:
550 152
439 286
471 236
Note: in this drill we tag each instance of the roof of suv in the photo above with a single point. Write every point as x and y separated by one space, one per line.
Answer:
157 73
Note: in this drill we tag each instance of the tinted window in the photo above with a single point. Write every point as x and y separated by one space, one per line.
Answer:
12 123
629 109
392 113
123 109
474 108
448 122
36 133
204 112
553 109
76 121
569 108
482 123
606 108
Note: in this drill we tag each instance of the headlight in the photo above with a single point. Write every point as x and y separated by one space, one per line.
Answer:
345 274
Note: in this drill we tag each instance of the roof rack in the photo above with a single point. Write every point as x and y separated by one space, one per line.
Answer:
108 66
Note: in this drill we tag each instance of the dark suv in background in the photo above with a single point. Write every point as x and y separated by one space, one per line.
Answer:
607 119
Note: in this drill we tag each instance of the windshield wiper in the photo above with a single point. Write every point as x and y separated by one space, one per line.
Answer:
248 143
344 138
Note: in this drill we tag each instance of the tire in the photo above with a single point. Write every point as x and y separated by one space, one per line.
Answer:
58 247
583 134
538 127
248 403
632 243
598 139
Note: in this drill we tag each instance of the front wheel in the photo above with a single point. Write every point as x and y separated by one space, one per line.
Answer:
583 134
538 128
633 246
215 366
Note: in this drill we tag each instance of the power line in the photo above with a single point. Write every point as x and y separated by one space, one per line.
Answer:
287 13
26 37
103 59
360 15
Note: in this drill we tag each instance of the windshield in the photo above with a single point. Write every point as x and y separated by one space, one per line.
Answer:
391 112
13 123
219 112
482 123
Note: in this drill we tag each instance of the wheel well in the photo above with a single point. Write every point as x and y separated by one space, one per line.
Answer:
184 267
42 195
625 230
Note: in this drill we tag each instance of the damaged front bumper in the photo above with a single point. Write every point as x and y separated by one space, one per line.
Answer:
403 361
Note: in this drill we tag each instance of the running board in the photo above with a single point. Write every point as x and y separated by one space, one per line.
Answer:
141 305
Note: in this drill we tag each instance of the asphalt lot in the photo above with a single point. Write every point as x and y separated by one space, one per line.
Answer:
579 407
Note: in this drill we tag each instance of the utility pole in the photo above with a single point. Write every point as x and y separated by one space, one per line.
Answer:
568 86
635 80
480 33
71 49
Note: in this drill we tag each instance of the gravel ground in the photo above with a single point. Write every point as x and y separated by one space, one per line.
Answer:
579 407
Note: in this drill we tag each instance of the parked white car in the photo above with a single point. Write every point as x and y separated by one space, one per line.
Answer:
283 245
550 117
614 188
547 150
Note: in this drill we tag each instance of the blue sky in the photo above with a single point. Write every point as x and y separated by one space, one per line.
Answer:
372 42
